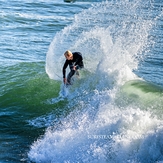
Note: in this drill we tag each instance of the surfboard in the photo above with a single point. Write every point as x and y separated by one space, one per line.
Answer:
63 93
69 1
64 90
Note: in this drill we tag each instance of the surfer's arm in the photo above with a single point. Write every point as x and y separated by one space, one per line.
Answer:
64 68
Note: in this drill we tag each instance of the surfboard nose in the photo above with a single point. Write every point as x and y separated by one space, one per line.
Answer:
69 1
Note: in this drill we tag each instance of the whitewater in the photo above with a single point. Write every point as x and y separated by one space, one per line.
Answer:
114 114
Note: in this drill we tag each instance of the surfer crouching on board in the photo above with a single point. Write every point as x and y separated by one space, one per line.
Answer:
75 62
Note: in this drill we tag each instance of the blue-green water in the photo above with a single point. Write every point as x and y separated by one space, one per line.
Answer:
113 113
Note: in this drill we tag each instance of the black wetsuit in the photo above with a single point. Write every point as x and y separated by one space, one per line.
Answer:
77 61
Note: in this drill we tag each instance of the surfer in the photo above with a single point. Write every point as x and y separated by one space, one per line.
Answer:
75 62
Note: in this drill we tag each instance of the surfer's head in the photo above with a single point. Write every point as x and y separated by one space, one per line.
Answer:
68 55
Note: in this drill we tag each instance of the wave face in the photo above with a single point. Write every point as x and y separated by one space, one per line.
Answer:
109 119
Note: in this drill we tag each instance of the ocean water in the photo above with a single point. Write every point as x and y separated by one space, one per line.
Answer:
112 113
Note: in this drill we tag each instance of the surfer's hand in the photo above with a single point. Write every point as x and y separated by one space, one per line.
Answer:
74 68
64 80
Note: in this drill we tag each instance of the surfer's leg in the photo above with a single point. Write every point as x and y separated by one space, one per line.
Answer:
79 67
69 76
